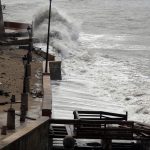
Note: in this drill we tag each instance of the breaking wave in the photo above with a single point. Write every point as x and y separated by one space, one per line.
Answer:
63 33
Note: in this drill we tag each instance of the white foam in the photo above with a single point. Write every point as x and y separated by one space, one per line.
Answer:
111 41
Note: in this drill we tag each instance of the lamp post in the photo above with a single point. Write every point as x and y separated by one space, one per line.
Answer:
25 62
49 20
24 94
26 81
2 30
29 29
29 54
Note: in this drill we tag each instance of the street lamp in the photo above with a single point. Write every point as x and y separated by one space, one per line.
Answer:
49 20
25 62
26 86
29 55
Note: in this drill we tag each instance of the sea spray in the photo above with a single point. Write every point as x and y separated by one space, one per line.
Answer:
63 34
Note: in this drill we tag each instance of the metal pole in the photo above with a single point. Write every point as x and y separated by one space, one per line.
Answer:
1 22
49 20
24 79
29 54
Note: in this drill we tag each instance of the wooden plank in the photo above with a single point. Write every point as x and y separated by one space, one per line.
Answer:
16 42
90 115
16 34
83 129
57 136
60 132
59 129
103 118
90 134
15 25
102 112
115 137
90 122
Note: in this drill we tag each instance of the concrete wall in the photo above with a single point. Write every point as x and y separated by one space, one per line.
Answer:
34 136
47 98
47 93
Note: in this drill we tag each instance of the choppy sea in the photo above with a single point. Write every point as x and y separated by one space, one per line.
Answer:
105 51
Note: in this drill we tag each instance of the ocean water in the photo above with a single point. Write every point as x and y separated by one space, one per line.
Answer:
105 50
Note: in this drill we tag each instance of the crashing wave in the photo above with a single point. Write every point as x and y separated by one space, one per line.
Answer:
63 32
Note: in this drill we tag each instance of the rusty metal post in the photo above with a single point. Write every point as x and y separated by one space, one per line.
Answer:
11 119
1 22
24 100
23 113
4 130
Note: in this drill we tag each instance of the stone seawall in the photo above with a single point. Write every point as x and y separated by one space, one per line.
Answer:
33 136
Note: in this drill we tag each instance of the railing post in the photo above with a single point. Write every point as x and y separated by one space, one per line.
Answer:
11 119
106 144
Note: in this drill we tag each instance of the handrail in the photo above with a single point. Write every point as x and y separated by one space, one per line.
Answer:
101 112
77 122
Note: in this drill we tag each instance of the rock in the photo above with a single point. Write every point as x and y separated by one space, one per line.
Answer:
127 98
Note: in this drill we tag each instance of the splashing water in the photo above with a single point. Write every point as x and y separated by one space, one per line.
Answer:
63 34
